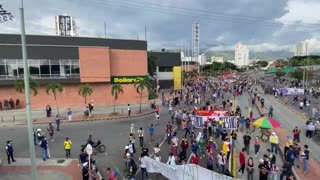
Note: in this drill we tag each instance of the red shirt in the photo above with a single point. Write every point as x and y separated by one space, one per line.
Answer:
195 160
242 158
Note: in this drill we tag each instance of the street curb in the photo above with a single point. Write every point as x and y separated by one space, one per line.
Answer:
92 119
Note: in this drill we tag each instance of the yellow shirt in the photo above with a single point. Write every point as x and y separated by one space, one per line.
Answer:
67 145
273 140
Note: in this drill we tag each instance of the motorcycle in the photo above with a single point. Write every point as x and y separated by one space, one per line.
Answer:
97 147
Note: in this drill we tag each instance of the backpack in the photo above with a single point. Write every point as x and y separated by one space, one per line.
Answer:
115 172
134 167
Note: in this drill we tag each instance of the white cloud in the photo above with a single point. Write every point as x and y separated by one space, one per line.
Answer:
301 12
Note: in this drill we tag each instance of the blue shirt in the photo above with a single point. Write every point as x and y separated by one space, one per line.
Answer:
151 130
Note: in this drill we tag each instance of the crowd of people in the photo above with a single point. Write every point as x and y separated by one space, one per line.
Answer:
10 104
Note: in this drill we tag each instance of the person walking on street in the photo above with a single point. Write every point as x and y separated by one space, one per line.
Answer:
58 122
250 168
141 135
50 130
306 155
9 151
151 130
296 134
129 110
274 142
256 146
242 161
246 142
67 147
143 166
69 113
44 147
270 112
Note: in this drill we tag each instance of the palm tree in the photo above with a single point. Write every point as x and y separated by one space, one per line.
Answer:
116 89
54 88
85 90
33 84
140 86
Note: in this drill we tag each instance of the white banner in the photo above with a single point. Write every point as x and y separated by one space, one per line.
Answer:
290 91
183 172
229 122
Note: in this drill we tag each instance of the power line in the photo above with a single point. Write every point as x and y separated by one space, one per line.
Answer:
218 13
127 5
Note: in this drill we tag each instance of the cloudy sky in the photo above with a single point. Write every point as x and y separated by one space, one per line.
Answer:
262 24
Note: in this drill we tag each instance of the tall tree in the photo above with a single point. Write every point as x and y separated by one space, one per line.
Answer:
85 90
33 84
116 89
54 88
140 86
152 65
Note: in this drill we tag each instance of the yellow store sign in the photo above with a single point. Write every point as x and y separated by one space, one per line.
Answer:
177 77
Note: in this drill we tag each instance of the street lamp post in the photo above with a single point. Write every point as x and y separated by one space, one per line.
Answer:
27 92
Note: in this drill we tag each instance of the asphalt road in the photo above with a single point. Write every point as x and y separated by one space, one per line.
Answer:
114 134
243 103
290 120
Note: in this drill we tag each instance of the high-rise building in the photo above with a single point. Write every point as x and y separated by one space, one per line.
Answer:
202 59
241 55
65 25
301 49
195 40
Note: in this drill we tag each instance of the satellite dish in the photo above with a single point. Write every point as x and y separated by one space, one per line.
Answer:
89 149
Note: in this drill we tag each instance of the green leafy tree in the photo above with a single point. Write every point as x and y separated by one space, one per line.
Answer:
116 89
54 88
85 90
262 63
33 84
141 86
280 73
152 65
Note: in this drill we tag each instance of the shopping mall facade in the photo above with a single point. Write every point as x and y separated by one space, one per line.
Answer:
72 61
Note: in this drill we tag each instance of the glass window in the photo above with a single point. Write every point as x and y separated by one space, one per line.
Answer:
165 69
75 68
12 68
55 70
20 70
65 68
44 68
34 70
3 71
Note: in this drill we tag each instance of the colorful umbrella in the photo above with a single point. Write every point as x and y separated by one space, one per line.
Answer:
266 123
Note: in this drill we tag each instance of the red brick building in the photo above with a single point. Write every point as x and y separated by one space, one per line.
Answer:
72 61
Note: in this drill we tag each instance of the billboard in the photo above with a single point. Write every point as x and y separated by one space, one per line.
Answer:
177 81
126 79
65 25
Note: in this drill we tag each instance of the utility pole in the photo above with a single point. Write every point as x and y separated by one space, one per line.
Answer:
27 92
307 71
145 32
105 30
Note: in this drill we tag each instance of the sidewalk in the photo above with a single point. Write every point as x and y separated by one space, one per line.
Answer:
51 169
283 134
18 117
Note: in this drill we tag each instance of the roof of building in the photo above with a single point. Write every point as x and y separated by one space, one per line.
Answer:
72 41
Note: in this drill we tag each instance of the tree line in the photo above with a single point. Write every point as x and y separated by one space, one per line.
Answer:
85 90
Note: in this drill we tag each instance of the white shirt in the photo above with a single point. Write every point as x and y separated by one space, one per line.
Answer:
143 162
140 133
129 108
130 148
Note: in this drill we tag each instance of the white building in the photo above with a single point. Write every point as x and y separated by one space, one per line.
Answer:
202 59
65 25
241 55
218 59
301 49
